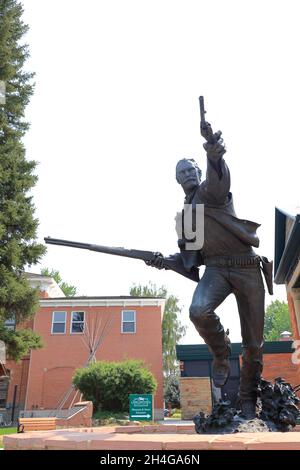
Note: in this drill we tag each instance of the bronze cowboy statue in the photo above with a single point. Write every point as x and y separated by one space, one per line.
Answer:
232 266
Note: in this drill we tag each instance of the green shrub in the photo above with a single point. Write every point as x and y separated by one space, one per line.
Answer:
108 384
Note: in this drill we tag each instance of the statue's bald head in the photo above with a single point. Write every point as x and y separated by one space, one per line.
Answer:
188 174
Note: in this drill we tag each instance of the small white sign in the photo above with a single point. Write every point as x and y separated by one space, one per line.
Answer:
2 352
2 92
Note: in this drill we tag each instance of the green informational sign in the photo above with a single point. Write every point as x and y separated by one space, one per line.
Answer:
141 407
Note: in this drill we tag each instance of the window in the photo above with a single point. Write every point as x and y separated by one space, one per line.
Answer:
59 322
10 323
77 322
128 321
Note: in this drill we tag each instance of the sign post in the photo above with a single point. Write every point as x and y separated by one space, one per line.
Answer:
140 407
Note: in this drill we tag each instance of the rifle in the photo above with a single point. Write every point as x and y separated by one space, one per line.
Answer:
204 125
173 263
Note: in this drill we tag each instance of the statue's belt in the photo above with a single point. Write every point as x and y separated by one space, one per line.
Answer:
235 261
247 261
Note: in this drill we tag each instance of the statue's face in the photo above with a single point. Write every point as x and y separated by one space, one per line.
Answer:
188 175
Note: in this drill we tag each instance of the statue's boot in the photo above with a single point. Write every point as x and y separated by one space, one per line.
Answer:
220 371
248 408
221 365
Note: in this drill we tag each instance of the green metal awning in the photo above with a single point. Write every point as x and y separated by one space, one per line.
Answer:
200 352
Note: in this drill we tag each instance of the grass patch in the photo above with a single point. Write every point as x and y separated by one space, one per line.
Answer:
176 414
4 432
104 418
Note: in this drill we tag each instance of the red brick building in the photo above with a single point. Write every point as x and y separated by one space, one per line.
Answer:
287 269
127 327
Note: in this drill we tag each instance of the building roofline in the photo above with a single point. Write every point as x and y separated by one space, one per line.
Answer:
105 297
44 283
27 274
101 301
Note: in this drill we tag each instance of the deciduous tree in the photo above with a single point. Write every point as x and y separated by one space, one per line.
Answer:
67 289
172 328
277 320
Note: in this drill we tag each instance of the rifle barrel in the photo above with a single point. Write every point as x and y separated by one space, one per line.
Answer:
58 241
135 254
118 251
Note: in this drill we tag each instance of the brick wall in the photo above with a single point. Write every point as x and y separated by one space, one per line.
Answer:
195 396
82 418
281 365
19 373
53 366
295 330
18 376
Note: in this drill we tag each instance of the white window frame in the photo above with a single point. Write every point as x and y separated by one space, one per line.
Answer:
123 321
71 323
65 322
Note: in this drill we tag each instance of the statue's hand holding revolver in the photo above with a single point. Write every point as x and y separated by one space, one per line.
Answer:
215 151
214 144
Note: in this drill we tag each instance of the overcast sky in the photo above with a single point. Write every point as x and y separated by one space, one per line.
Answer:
116 106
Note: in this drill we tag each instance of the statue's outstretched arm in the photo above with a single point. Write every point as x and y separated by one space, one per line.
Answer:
214 145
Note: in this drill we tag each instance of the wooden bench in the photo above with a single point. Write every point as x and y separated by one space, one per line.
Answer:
36 424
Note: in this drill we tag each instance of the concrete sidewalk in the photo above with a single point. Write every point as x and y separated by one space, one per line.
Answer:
159 437
170 421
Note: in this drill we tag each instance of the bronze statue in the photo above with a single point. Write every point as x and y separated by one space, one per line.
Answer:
232 266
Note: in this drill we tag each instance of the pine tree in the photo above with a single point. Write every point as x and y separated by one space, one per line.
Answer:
18 226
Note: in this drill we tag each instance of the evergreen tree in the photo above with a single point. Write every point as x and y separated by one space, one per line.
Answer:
172 329
18 226
67 289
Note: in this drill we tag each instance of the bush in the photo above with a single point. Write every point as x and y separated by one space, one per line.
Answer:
172 394
108 384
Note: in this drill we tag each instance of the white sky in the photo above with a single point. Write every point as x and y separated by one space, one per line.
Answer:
116 106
